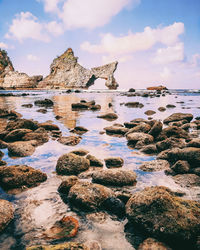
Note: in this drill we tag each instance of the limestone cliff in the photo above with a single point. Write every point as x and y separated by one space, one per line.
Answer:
66 72
5 65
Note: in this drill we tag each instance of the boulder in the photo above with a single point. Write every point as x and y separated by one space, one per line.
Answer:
43 111
149 112
156 129
45 102
181 167
20 176
116 130
22 123
89 196
153 244
187 180
173 131
160 87
142 138
48 126
170 106
39 136
108 116
155 165
79 130
69 140
28 105
149 149
115 177
3 144
178 117
6 213
94 162
158 212
80 151
162 109
16 134
67 184
114 162
71 164
63 246
194 143
141 127
170 143
22 148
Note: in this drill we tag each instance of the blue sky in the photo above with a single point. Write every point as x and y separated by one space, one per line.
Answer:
155 41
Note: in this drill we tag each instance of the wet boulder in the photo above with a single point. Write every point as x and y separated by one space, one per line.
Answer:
134 105
116 130
88 196
139 139
69 140
187 180
45 102
170 143
155 165
16 135
20 176
94 162
141 127
158 212
3 144
80 151
194 143
108 116
22 123
156 129
48 126
71 164
149 149
173 131
62 246
67 184
6 213
43 111
178 117
181 167
162 109
115 177
79 130
28 105
22 148
149 112
40 136
114 162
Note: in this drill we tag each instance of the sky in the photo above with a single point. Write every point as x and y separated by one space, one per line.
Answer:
155 41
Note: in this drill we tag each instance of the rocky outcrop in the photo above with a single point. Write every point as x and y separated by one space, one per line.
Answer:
157 88
66 72
6 213
9 78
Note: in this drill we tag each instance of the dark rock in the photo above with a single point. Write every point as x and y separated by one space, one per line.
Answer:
48 126
94 162
131 90
181 167
171 143
67 184
16 134
3 163
116 130
161 109
130 124
115 206
141 127
89 196
194 143
58 117
115 177
149 149
81 152
170 106
134 105
6 213
155 165
21 123
95 107
45 102
43 111
178 117
29 105
160 213
69 140
142 138
63 246
20 176
114 162
79 130
173 131
71 164
187 180
108 116
39 136
149 112
156 129
3 144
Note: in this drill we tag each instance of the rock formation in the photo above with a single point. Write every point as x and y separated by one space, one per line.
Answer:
66 72
160 87
9 78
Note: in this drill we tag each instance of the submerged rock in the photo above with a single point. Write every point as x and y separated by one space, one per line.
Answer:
155 165
79 130
20 176
6 213
158 212
88 196
115 177
45 102
116 130
69 140
71 164
22 148
80 151
108 116
134 105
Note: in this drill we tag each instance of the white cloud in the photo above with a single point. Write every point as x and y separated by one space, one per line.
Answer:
3 45
25 25
196 60
91 13
134 42
170 54
166 73
31 57
51 5
121 59
55 28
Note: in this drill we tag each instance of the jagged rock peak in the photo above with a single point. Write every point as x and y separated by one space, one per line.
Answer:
5 63
66 72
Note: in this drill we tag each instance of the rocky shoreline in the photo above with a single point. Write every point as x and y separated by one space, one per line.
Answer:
90 186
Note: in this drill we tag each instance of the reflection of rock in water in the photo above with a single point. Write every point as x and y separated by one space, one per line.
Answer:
62 108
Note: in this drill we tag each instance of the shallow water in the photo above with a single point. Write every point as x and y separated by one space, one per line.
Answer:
38 208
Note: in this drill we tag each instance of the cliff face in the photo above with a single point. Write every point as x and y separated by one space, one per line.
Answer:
66 72
9 78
